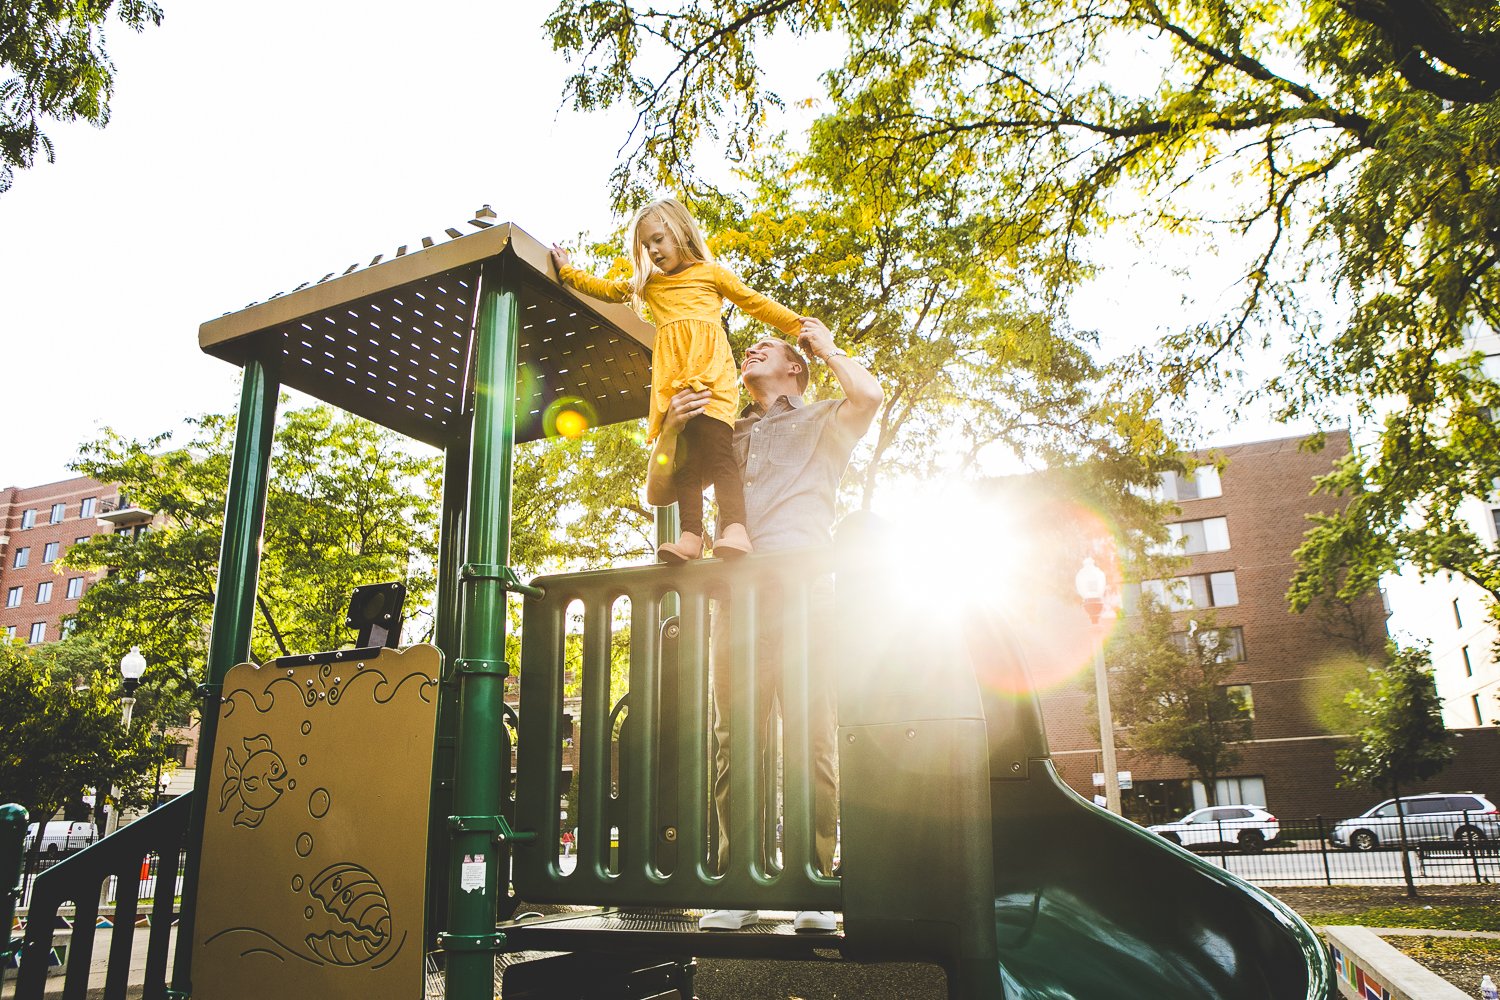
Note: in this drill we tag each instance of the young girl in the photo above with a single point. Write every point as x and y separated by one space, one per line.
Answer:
677 277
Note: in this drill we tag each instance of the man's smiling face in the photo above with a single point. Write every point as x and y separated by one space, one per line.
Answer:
767 359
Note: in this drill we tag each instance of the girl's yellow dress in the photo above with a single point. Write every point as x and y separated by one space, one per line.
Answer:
691 350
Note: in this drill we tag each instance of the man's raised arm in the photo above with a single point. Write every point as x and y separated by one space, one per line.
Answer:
862 393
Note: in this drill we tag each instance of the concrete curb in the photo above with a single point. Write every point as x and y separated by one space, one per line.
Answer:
1364 965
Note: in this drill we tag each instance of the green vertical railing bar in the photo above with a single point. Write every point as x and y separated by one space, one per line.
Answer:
234 610
480 780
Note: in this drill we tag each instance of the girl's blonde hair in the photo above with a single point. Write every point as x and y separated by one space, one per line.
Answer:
680 226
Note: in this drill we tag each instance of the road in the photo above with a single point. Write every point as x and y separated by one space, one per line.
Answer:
1309 866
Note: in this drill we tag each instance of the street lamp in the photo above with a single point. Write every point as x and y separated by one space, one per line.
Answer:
1090 584
132 666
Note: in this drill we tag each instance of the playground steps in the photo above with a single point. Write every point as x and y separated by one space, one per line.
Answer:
667 933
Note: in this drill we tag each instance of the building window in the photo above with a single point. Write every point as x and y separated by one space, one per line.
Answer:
80 539
1181 593
1249 791
23 556
44 592
1468 664
49 552
10 633
58 510
13 597
86 509
28 519
1192 537
75 588
1478 715
38 632
1458 618
1201 483
69 624
1240 697
1228 644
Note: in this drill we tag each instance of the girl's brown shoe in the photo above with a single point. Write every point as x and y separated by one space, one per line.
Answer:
687 547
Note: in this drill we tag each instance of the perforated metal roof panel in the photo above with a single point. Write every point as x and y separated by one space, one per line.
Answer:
393 341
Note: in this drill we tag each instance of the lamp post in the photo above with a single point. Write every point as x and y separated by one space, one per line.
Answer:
1090 584
132 666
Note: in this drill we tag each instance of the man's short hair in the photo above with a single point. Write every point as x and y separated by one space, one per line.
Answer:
796 356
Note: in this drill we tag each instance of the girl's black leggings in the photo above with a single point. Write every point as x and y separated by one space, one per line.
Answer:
705 455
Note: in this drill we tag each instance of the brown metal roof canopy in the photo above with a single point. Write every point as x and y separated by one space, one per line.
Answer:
393 342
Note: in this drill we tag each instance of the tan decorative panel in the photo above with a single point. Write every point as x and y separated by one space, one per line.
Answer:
315 841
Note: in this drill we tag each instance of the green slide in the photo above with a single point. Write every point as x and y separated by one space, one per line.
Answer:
1102 907
1083 904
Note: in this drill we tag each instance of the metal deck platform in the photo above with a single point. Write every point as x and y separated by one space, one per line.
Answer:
669 933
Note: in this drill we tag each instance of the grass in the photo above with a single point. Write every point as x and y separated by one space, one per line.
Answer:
1443 918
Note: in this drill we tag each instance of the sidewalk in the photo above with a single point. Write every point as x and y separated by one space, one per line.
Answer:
98 964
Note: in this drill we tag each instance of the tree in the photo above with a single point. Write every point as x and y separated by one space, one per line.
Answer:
1340 148
60 737
1400 737
347 505
967 359
1168 689
53 66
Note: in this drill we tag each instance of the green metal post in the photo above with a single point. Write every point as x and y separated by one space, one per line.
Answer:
13 820
448 618
668 527
234 611
480 781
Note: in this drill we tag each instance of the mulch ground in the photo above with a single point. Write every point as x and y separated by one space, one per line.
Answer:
1461 961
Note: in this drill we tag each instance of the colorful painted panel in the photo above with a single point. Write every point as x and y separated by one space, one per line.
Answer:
315 840
1353 980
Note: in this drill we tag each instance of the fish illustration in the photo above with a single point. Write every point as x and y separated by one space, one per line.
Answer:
256 782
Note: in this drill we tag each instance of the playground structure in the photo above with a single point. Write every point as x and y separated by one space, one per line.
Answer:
960 846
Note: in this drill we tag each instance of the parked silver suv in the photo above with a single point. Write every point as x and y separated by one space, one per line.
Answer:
1465 817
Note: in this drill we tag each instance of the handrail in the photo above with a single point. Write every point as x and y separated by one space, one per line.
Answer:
13 820
80 878
666 758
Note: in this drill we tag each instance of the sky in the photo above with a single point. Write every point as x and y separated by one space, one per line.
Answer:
255 147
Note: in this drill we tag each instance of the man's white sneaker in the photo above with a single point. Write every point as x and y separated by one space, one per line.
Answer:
728 920
814 920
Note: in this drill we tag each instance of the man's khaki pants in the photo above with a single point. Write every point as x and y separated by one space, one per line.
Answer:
821 714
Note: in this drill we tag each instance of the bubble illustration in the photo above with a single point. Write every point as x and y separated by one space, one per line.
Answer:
306 728
318 803
296 883
304 845
302 760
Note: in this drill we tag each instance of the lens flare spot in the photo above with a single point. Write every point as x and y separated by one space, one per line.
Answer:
571 423
568 417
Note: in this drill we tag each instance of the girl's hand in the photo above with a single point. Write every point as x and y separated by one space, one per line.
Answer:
685 405
560 257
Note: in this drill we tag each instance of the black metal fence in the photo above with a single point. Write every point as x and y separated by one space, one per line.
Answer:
1446 849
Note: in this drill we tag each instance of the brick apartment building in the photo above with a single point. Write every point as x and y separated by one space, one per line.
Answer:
1239 528
37 597
38 524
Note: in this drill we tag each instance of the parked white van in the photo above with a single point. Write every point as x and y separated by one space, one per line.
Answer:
63 837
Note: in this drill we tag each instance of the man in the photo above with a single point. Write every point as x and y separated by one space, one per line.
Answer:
793 454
